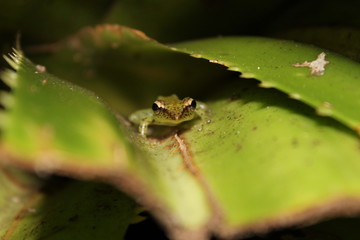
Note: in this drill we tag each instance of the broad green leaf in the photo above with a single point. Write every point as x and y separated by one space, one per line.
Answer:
55 123
163 167
268 161
42 130
336 93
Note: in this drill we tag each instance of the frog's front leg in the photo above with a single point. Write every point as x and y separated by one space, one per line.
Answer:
143 118
143 126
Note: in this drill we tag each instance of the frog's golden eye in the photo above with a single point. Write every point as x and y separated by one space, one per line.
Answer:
157 105
193 104
190 103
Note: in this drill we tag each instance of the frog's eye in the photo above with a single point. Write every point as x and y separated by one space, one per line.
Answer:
189 103
193 104
155 107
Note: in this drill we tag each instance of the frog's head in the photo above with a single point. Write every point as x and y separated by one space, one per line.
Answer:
171 110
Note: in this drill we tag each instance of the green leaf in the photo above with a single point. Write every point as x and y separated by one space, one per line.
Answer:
47 115
269 162
336 93
45 128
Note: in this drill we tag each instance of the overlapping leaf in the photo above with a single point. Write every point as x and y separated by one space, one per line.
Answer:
335 93
268 161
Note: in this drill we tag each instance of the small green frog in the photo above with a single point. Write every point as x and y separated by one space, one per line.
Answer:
169 111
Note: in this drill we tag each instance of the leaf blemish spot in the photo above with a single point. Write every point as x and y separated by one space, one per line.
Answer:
40 69
325 109
317 66
235 69
267 85
247 75
15 199
114 45
295 96
31 210
196 55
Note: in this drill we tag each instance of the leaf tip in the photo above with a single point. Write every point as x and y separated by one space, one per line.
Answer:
265 84
14 59
296 96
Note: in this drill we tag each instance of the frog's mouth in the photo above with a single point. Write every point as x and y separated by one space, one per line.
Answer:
171 122
177 117
169 127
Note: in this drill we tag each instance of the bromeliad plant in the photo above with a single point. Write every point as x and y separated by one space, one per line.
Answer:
276 143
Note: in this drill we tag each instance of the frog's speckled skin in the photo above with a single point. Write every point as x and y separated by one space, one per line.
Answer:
168 111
